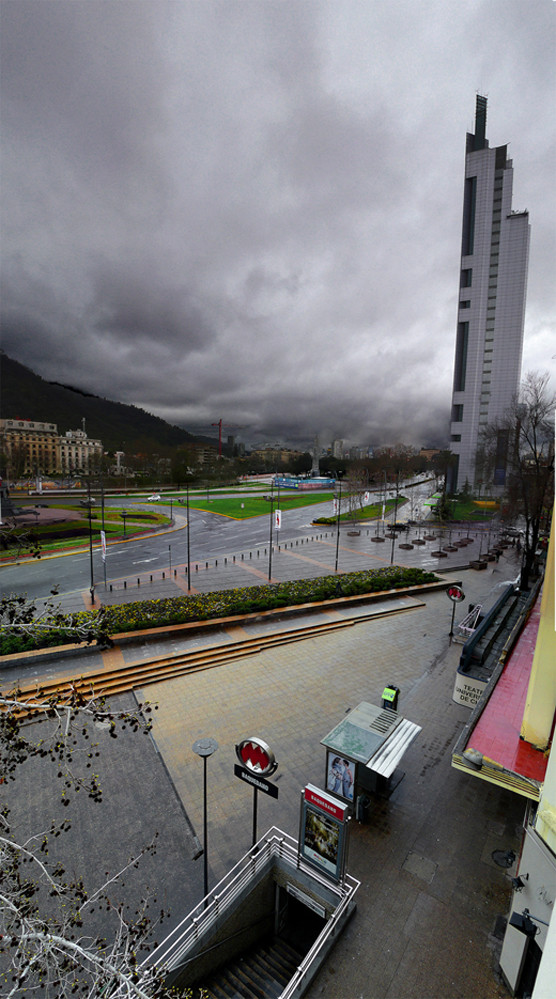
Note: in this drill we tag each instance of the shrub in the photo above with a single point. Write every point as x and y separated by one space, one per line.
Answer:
144 614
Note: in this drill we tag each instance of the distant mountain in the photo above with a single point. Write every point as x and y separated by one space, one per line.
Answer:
26 396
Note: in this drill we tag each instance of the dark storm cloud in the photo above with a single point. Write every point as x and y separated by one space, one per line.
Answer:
251 210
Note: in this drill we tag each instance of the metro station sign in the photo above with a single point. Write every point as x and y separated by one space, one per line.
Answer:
256 756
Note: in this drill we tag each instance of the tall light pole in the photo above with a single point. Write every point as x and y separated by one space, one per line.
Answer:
340 476
271 532
92 588
205 748
188 540
395 516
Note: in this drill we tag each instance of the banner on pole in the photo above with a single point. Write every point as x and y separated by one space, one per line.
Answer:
103 543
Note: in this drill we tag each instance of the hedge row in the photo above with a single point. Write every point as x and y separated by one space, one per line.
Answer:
143 614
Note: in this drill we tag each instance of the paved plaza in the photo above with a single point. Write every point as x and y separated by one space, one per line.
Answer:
430 894
431 900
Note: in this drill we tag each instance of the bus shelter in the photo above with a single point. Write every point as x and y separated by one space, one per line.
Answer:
363 753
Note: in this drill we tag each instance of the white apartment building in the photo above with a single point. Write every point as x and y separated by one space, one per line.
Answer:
491 308
78 452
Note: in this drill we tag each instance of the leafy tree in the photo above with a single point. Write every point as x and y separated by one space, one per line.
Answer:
50 942
522 443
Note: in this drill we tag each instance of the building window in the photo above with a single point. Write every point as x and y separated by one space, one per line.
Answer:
466 277
465 305
457 413
455 437
469 202
461 357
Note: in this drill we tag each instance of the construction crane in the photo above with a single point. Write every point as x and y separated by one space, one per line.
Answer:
234 426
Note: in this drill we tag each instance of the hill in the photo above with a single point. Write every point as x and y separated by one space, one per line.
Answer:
25 395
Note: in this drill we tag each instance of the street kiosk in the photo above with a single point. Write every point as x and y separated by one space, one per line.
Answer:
363 752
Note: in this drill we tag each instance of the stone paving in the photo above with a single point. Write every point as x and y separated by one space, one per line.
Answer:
306 556
431 898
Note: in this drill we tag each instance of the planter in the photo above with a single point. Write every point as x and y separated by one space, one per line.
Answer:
406 547
478 564
353 534
440 554
377 538
418 541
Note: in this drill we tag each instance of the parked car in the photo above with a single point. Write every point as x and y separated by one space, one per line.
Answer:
153 498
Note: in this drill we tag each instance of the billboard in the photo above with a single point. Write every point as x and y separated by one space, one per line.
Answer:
323 832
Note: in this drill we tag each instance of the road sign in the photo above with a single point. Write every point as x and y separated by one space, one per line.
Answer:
455 593
259 783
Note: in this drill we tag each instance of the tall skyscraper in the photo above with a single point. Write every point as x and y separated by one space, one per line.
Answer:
491 309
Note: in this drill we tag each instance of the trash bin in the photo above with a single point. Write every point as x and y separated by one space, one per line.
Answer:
390 696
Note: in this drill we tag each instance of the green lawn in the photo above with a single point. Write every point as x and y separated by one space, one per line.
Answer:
242 507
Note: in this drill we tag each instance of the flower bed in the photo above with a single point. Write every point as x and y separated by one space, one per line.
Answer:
144 614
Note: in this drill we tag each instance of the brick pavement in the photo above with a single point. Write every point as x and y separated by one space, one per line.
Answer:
295 558
430 893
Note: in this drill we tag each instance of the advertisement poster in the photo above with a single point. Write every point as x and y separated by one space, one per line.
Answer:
340 775
322 837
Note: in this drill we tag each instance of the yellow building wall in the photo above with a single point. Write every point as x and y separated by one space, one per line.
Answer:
538 716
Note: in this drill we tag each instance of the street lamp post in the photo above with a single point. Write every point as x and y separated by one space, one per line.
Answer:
92 588
271 532
205 748
395 517
188 544
124 515
339 474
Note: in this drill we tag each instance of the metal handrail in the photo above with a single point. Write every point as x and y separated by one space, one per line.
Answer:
171 952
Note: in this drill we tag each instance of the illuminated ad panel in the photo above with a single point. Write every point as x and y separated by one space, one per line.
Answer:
323 832
340 775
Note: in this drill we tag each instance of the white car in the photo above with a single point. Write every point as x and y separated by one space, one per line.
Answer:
153 498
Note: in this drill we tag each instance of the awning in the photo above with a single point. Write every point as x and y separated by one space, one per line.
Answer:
385 761
376 737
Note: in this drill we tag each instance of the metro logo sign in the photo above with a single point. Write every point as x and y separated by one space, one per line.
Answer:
256 756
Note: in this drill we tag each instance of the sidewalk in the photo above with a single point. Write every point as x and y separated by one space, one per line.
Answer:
431 900
300 557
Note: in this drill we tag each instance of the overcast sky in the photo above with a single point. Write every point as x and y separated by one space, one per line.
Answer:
250 210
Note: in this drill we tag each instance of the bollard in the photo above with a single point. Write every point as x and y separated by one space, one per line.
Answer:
196 567
175 573
215 562
125 584
206 565
258 553
138 581
250 554
225 561
185 571
151 579
110 587
164 575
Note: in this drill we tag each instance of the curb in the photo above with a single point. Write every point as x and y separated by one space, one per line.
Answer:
35 656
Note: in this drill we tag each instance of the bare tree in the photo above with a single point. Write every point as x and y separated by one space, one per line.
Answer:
356 483
50 945
522 444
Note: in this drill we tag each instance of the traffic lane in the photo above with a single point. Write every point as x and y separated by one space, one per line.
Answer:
211 535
